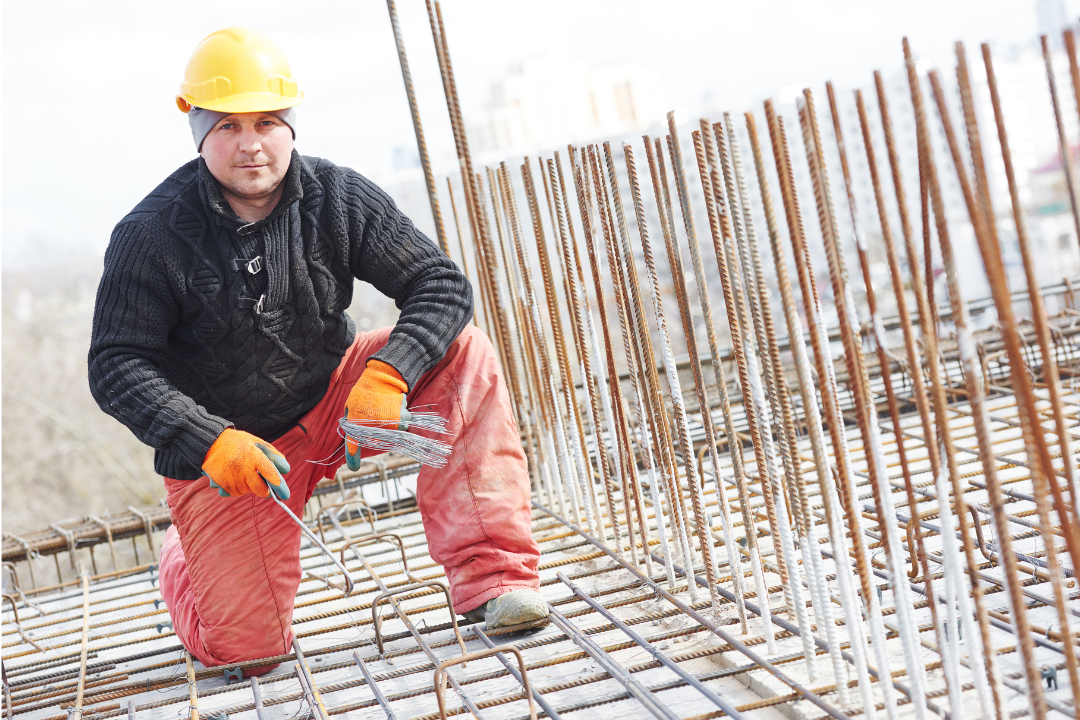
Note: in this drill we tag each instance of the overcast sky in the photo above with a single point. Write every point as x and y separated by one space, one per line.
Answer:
90 125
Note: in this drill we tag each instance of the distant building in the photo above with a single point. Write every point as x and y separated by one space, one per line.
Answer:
1051 15
1050 219
545 103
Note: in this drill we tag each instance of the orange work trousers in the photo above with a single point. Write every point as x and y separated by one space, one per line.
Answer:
230 567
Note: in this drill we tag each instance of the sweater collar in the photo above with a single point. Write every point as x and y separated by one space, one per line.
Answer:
294 191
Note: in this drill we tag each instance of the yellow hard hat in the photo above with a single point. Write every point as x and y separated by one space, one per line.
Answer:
238 70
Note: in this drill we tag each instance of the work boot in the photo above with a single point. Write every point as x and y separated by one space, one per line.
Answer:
521 609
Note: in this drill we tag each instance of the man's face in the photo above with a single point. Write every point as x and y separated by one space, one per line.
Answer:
248 153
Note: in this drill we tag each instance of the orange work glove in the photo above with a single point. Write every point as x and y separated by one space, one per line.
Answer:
239 463
378 400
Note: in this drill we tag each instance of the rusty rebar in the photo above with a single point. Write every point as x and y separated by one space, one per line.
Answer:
1043 473
768 351
654 155
421 145
930 171
866 417
811 390
1064 148
638 346
809 538
655 401
786 562
916 542
744 283
721 231
628 464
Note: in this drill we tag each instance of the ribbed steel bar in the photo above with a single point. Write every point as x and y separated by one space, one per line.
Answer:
1035 444
574 304
705 151
915 372
662 193
555 432
779 402
460 237
758 415
741 647
866 415
572 409
1069 527
502 340
1049 362
635 342
421 145
627 466
575 438
580 321
621 453
884 362
1050 369
675 498
657 412
701 687
811 391
610 414
928 319
521 293
678 276
589 327
518 382
726 231
501 272
929 168
812 557
1064 147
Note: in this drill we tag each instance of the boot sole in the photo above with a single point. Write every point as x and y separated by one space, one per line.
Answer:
531 625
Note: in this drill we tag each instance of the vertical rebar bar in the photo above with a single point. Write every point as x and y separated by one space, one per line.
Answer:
1043 472
421 145
810 392
786 561
866 417
1019 615
1064 148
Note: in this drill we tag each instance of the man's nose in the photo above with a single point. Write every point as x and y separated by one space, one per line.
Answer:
250 141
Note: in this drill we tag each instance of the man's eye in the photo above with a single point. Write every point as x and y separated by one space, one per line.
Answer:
227 126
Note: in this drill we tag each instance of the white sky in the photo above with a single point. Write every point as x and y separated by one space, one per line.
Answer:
90 127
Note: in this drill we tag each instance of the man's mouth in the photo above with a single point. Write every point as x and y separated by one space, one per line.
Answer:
250 167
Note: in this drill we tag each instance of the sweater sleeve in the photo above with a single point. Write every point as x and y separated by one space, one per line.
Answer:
434 296
133 316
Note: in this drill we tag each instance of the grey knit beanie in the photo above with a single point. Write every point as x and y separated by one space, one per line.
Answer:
202 121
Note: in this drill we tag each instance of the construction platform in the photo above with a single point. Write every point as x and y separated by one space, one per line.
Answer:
862 515
668 644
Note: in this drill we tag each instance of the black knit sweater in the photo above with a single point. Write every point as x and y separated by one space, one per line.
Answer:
187 341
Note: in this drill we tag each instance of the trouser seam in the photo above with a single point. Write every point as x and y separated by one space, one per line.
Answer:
266 574
465 463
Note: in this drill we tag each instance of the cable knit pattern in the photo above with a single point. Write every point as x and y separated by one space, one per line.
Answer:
179 351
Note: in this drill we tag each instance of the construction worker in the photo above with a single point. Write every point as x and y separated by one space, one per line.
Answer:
220 339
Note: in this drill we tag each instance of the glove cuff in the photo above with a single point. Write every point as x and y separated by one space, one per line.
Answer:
379 371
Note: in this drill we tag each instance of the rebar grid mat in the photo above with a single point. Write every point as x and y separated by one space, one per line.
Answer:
824 512
130 660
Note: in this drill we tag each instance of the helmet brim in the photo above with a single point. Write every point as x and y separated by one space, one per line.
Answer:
249 102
